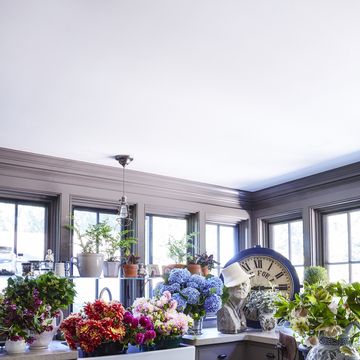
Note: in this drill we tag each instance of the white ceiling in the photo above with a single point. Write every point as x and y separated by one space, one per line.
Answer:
239 93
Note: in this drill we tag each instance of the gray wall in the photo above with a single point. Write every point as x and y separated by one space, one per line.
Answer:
308 197
70 183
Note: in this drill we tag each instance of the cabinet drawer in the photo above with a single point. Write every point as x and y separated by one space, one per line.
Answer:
228 351
260 351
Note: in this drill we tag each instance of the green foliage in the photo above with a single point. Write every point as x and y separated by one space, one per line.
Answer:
262 301
206 260
179 249
122 240
316 274
31 303
131 259
94 236
330 310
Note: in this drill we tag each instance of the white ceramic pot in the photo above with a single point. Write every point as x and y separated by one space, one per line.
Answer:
43 340
111 268
15 347
89 265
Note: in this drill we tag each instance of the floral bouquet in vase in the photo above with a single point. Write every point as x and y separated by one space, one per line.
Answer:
326 314
169 323
196 295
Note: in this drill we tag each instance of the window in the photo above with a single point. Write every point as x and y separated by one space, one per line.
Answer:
88 289
158 230
342 245
287 239
23 228
222 242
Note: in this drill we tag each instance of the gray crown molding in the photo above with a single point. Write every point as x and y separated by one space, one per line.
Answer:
26 165
305 186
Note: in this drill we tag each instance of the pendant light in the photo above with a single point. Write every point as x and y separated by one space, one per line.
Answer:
124 206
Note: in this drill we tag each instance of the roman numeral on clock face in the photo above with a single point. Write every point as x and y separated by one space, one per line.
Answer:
258 263
246 266
279 275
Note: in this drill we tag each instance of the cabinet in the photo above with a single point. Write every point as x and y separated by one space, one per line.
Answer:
228 351
260 351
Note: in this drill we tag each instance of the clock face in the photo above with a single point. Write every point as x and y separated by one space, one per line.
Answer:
268 272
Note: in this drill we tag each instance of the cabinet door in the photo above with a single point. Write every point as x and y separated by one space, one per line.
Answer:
228 351
260 351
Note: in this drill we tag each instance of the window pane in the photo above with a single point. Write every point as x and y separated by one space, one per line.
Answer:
7 224
355 273
280 238
337 238
297 242
300 273
211 240
163 229
355 235
85 289
227 244
31 232
83 219
338 272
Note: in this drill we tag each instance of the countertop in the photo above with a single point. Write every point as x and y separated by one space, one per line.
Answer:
211 336
55 351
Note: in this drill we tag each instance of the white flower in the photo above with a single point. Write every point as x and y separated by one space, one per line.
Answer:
332 331
333 306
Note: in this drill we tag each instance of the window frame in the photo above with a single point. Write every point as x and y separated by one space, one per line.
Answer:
321 233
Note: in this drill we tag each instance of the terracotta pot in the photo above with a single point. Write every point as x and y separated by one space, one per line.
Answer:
167 268
205 270
194 268
130 270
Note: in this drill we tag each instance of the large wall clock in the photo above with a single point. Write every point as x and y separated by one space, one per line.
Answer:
268 268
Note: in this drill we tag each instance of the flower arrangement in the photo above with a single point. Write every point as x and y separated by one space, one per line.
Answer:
168 322
29 304
330 310
195 294
105 323
262 301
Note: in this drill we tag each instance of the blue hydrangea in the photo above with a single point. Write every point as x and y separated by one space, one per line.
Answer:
213 285
179 276
192 295
157 291
196 281
180 300
212 303
172 288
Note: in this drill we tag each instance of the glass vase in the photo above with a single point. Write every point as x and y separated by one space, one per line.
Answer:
196 328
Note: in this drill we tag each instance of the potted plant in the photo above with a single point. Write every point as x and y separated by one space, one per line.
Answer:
207 263
30 306
130 264
193 264
179 250
90 262
262 302
121 241
324 315
316 274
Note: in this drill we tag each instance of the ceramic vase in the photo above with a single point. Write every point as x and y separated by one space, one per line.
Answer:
267 321
43 340
89 265
329 349
111 268
15 347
